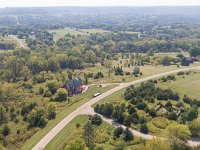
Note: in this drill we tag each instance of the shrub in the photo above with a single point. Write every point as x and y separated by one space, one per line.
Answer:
127 135
118 131
141 105
144 129
5 130
194 127
172 116
191 114
96 120
118 71
136 71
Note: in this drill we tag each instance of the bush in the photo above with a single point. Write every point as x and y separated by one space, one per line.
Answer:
172 116
127 135
136 71
5 130
118 131
141 105
118 71
96 120
99 75
144 129
191 114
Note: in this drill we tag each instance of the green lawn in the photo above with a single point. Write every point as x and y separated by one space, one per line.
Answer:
64 110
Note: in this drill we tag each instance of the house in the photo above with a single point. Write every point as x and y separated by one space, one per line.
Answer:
74 86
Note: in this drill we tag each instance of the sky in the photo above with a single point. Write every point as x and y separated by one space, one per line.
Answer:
32 3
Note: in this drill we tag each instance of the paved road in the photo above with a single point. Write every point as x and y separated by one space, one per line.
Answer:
20 41
86 108
90 111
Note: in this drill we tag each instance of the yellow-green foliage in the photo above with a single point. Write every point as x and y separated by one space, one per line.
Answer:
160 122
102 136
157 144
178 132
77 144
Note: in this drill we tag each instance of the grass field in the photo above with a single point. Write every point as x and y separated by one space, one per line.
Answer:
189 85
8 39
64 110
93 31
62 32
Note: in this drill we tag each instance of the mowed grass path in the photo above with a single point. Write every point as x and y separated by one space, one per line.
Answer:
79 100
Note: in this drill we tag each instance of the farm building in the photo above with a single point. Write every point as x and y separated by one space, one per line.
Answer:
74 86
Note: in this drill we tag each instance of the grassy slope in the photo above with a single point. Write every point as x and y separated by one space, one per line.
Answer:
66 110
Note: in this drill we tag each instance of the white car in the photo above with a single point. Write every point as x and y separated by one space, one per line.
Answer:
97 94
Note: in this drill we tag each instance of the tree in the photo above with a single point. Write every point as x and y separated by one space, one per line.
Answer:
90 57
185 62
118 131
128 120
191 114
96 120
3 116
53 64
76 144
127 135
37 119
89 134
172 116
5 130
157 144
144 128
165 61
61 95
118 71
136 70
52 86
51 111
195 51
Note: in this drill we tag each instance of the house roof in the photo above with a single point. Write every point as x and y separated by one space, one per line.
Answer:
72 84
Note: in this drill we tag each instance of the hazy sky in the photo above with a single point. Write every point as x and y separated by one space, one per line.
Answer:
25 3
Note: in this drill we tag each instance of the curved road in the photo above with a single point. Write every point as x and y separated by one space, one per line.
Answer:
86 108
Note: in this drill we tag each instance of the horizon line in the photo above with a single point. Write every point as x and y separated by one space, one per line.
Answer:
103 6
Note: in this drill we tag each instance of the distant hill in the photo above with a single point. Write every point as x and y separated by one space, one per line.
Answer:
177 10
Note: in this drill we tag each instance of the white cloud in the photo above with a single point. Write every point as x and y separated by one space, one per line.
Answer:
25 3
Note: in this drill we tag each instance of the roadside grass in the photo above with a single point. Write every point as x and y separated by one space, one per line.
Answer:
104 136
64 110
66 134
